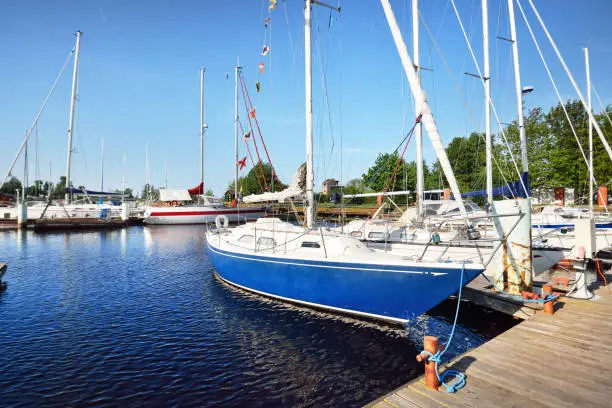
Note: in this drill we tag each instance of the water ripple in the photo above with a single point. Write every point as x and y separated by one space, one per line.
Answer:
136 318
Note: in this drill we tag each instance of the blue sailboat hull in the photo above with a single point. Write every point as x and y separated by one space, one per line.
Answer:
392 293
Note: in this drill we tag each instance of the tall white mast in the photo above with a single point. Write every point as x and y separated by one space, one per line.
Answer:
417 109
123 179
147 175
236 74
202 127
72 106
427 117
519 90
589 108
102 168
487 83
166 173
308 84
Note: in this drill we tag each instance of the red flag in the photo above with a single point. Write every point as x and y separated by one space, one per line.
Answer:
261 67
242 163
252 113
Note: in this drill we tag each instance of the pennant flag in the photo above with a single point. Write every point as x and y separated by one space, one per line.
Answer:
267 22
261 67
247 135
242 163
258 86
272 5
252 113
265 50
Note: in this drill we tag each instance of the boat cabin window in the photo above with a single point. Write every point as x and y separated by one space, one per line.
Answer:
376 235
308 244
356 234
263 243
246 239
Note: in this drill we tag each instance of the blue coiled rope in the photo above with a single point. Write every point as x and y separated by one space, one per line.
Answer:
437 357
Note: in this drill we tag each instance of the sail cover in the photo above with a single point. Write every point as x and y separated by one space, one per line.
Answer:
199 189
173 195
514 189
74 190
296 189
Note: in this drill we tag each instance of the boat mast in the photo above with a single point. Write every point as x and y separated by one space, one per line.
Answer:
147 175
72 106
102 168
236 74
166 173
308 86
202 127
519 97
417 109
487 83
427 116
589 108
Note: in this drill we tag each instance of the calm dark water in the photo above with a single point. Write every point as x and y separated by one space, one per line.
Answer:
136 318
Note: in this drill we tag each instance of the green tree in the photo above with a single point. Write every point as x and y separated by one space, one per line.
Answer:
149 192
210 192
60 189
128 192
378 176
11 186
253 182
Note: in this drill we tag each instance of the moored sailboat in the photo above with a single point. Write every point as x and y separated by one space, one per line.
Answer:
320 268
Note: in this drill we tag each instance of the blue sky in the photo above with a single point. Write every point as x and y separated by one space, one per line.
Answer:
139 81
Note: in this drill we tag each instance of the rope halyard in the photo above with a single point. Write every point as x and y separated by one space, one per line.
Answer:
449 373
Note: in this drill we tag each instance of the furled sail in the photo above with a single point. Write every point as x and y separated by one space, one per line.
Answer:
297 189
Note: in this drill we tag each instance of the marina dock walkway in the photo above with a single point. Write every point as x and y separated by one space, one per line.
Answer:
563 360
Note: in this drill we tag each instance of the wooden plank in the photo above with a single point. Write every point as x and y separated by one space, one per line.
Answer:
418 397
399 402
551 361
381 404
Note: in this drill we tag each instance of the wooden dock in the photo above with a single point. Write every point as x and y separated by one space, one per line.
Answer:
563 360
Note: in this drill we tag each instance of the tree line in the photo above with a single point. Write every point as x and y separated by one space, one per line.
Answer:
555 160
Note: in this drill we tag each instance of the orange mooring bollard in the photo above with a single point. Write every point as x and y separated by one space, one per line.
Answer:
430 344
548 306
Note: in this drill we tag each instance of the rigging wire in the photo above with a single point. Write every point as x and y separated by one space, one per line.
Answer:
458 89
537 45
492 104
604 108
38 115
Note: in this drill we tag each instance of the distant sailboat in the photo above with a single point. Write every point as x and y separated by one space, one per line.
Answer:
170 209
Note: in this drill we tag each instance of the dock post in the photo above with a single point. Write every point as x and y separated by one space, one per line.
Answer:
125 212
430 344
22 213
548 306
